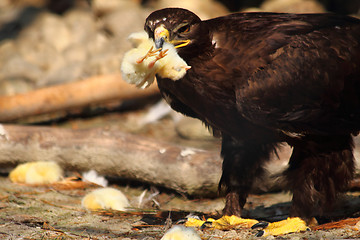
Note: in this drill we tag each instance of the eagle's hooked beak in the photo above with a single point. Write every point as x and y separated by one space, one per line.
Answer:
161 35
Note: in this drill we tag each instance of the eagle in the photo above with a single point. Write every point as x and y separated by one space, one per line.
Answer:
261 79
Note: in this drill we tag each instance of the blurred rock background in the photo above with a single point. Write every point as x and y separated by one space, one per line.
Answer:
47 42
51 42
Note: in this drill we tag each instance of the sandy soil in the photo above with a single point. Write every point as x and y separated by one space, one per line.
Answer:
55 212
50 212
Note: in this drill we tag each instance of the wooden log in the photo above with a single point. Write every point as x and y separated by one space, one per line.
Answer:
69 96
113 153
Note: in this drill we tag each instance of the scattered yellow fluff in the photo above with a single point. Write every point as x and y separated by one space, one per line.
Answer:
105 198
289 225
180 232
36 173
140 70
222 223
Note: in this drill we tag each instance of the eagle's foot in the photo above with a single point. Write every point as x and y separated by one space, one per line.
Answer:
289 225
223 223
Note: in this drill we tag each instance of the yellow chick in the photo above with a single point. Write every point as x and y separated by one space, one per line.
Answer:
105 198
141 63
36 173
179 232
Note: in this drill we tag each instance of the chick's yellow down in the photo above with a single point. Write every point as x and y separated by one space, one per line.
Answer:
105 198
141 63
36 173
179 232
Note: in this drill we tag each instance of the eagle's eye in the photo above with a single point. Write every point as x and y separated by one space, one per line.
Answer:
184 28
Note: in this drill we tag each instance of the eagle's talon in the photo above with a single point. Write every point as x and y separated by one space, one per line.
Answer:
260 225
181 221
260 233
206 224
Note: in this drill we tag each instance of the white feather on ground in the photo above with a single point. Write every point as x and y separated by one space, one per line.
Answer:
158 111
94 177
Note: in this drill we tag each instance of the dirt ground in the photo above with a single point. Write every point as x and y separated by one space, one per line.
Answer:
29 212
55 212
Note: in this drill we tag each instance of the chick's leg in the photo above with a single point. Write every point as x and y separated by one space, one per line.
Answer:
161 55
158 54
150 53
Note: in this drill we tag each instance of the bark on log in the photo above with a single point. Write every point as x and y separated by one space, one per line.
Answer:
113 153
68 96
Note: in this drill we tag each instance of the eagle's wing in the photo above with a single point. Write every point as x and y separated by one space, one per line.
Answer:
176 104
302 81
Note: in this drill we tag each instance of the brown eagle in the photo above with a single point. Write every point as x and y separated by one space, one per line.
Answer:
259 79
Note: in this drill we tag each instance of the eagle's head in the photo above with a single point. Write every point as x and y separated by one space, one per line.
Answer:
173 37
179 27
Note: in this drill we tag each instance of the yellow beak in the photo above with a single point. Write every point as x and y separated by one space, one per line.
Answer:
161 35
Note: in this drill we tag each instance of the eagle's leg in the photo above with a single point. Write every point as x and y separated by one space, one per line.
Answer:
242 162
320 168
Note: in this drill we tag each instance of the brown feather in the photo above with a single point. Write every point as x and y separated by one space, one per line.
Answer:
256 76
